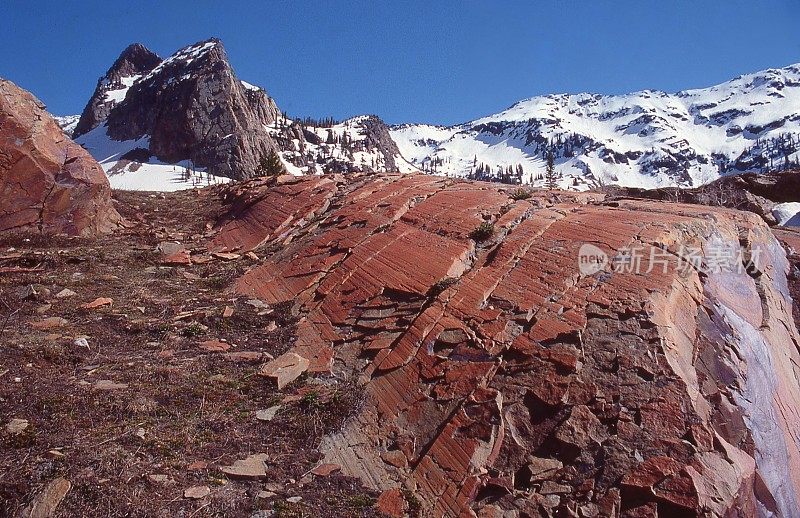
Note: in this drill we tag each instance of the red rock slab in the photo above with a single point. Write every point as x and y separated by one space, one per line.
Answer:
266 214
477 356
47 182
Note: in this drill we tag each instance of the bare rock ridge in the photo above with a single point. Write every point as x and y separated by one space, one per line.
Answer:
47 182
190 106
135 61
497 377
758 193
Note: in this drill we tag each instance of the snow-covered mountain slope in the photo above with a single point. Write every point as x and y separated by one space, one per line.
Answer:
130 166
787 214
643 139
359 144
67 123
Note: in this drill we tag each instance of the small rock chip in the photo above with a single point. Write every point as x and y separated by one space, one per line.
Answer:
226 256
98 303
65 293
196 492
109 385
158 478
268 414
214 346
253 467
55 454
323 470
50 323
253 256
294 499
227 312
285 369
45 503
81 342
258 304
266 494
17 426
179 258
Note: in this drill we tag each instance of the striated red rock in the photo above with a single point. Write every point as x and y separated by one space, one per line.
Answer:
505 377
391 503
47 182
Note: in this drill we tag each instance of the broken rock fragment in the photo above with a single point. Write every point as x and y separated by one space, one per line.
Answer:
197 492
45 503
285 369
253 467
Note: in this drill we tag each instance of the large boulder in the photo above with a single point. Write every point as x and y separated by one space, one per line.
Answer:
507 367
47 182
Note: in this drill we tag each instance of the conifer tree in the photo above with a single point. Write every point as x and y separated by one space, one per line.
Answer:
550 172
270 165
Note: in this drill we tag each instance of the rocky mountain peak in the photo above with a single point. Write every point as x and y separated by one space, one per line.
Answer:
135 61
192 107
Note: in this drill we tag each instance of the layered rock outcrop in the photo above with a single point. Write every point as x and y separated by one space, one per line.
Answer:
499 377
190 106
47 182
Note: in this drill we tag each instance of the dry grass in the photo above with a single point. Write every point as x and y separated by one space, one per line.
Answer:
181 404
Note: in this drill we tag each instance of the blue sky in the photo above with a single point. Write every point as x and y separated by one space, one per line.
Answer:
416 61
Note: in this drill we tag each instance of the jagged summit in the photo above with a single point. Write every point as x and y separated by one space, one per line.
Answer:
135 61
188 120
648 138
185 115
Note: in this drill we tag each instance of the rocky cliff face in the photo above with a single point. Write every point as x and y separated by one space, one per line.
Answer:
47 182
191 106
499 376
134 62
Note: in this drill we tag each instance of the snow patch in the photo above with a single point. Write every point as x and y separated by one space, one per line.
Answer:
787 214
135 175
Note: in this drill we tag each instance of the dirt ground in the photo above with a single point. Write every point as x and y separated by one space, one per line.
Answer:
122 402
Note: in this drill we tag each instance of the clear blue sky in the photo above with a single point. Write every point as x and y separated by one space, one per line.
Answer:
416 61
